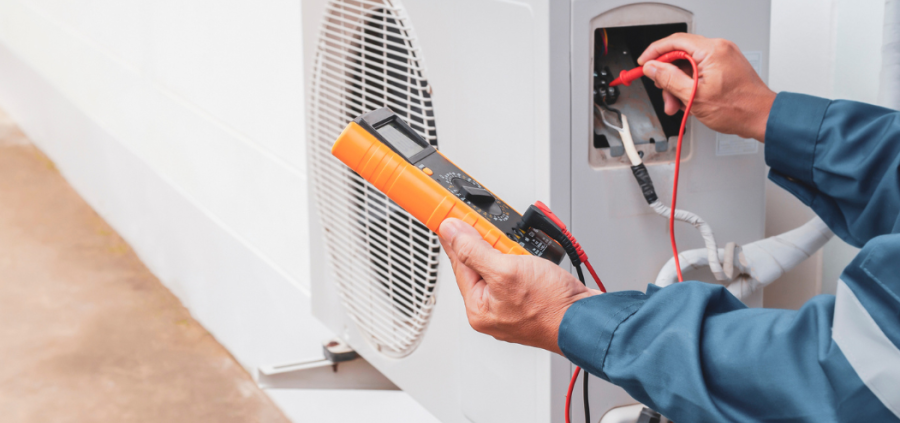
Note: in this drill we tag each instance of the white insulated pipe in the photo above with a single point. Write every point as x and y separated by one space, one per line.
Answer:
762 262
706 232
757 264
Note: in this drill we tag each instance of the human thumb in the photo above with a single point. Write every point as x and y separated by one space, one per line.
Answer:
670 78
468 246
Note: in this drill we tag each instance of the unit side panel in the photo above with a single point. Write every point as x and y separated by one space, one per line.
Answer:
626 241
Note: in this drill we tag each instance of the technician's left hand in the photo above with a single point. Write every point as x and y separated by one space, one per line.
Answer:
519 299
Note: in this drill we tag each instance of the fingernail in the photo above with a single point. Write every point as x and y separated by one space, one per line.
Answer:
449 229
650 70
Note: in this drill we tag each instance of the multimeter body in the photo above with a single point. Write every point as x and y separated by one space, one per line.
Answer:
385 151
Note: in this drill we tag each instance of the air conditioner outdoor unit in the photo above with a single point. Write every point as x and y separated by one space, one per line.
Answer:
505 89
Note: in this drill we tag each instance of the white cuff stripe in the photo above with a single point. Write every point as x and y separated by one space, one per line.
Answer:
871 354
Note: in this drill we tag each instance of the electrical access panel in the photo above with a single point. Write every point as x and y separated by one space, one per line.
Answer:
654 132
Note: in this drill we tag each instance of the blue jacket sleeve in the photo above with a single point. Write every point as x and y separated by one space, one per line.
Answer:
696 354
841 158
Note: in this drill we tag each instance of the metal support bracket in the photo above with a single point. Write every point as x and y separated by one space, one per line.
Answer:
339 367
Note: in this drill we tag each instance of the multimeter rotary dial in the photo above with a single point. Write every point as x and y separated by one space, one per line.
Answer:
476 196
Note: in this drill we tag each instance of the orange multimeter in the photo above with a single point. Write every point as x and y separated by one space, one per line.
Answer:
385 151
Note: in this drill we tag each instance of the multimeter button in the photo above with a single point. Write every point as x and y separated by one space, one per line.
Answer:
427 171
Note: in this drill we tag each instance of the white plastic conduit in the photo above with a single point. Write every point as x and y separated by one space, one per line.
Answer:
663 210
712 259
756 264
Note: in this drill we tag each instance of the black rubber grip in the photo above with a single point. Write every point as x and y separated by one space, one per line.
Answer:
570 249
643 179
535 218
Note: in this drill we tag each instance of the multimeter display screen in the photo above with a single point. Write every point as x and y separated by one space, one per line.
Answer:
400 141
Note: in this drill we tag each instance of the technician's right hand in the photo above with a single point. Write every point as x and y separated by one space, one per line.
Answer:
731 98
519 299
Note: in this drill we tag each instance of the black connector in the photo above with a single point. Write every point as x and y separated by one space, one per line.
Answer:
338 351
536 219
643 179
603 93
611 96
649 416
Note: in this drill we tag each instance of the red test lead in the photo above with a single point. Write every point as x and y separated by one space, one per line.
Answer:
581 254
626 78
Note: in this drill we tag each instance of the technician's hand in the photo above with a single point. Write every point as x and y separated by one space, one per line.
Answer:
731 98
520 299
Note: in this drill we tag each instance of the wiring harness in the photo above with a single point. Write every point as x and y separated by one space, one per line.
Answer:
642 176
608 115
539 216
626 78
746 268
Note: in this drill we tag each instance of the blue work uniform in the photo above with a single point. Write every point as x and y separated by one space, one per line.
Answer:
695 353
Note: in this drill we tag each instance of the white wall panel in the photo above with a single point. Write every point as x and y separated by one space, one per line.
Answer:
801 60
856 77
829 49
120 27
256 191
231 289
240 61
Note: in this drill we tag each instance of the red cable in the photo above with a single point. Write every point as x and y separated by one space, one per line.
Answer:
625 78
581 254
583 257
569 393
594 275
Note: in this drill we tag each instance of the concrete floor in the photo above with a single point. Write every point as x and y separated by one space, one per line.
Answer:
87 334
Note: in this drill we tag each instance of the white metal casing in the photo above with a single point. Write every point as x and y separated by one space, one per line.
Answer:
510 95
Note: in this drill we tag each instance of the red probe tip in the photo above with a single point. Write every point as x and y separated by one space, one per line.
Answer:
623 79
627 77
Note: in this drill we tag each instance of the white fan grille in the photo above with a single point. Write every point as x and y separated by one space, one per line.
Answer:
383 261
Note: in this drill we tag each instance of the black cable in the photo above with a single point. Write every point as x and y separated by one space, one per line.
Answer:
649 416
536 219
580 273
587 405
643 179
